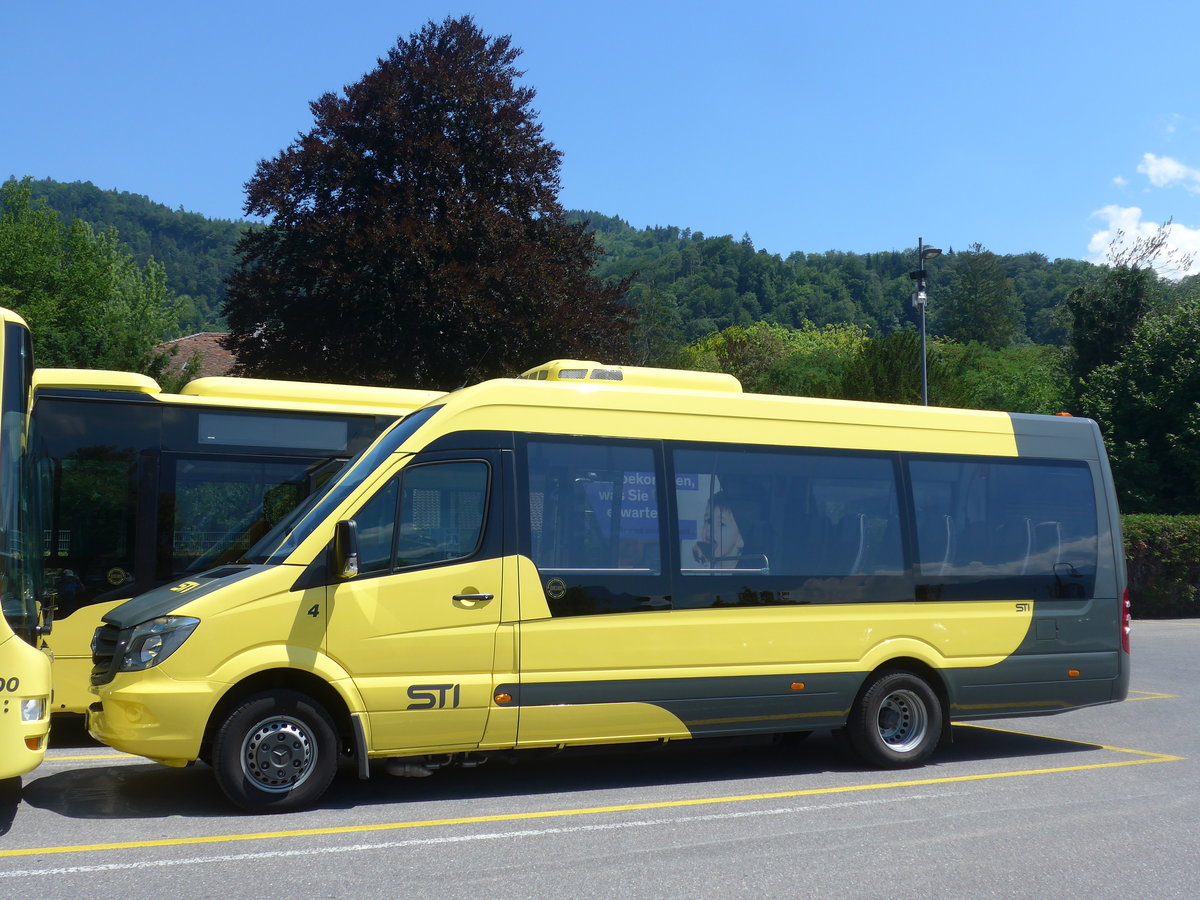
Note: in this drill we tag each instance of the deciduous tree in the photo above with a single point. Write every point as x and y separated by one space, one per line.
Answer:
1102 315
88 303
415 235
1148 406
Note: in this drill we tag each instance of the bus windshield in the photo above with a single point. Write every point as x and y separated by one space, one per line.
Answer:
286 536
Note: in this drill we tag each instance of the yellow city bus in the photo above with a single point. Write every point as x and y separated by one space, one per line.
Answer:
143 487
24 664
598 554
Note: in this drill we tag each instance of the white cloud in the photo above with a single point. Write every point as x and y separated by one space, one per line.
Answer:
1124 225
1163 171
1120 182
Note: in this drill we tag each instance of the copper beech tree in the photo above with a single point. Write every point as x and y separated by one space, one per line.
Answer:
414 235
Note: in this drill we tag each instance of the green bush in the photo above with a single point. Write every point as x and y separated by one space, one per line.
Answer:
1163 557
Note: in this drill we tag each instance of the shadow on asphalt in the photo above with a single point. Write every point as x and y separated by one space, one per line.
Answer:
70 732
152 791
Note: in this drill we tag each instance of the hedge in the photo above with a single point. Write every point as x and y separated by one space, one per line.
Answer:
1163 557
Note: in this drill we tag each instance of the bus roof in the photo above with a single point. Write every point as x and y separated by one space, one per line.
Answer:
94 380
226 387
247 392
654 411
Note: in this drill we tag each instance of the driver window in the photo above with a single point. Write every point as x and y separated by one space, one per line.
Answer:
441 512
376 523
440 509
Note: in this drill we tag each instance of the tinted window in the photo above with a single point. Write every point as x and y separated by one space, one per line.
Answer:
95 455
787 513
288 534
593 507
593 526
275 430
91 541
441 512
20 554
376 523
440 517
1003 528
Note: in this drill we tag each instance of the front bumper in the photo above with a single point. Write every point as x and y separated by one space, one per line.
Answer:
150 714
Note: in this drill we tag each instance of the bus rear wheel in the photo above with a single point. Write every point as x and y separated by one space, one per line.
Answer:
276 752
896 721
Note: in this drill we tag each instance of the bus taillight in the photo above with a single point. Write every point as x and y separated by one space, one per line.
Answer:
1125 621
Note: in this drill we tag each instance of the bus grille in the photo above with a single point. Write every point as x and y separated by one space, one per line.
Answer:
105 652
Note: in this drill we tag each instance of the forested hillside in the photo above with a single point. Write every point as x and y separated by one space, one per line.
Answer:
715 282
197 252
708 283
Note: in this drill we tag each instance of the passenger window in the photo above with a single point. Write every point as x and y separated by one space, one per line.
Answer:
787 513
441 516
593 526
998 529
593 508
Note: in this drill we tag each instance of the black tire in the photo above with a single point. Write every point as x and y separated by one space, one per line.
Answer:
896 721
276 752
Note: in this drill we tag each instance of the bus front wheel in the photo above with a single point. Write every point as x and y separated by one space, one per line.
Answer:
896 721
276 752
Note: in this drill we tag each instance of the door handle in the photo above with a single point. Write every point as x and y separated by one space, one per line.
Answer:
474 598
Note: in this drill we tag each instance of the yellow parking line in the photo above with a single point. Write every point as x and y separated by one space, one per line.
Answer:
1144 757
1152 695
96 756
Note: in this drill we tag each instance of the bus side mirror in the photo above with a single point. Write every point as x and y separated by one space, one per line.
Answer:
345 549
49 607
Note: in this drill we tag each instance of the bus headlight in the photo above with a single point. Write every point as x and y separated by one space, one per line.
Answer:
153 641
33 710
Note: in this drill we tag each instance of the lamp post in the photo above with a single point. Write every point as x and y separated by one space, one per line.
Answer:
920 300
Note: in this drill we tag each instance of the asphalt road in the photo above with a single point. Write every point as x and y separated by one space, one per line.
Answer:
1096 803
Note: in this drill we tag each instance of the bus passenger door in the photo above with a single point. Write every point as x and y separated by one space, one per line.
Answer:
416 628
597 647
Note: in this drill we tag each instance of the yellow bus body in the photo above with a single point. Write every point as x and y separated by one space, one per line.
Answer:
478 652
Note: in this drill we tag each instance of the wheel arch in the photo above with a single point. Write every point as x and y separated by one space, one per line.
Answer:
281 678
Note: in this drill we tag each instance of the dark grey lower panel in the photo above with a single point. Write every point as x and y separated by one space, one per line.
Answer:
752 704
1037 685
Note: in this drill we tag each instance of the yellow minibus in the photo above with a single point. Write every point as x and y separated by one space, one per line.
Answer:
599 554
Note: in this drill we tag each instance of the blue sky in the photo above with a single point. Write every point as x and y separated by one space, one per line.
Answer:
856 126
